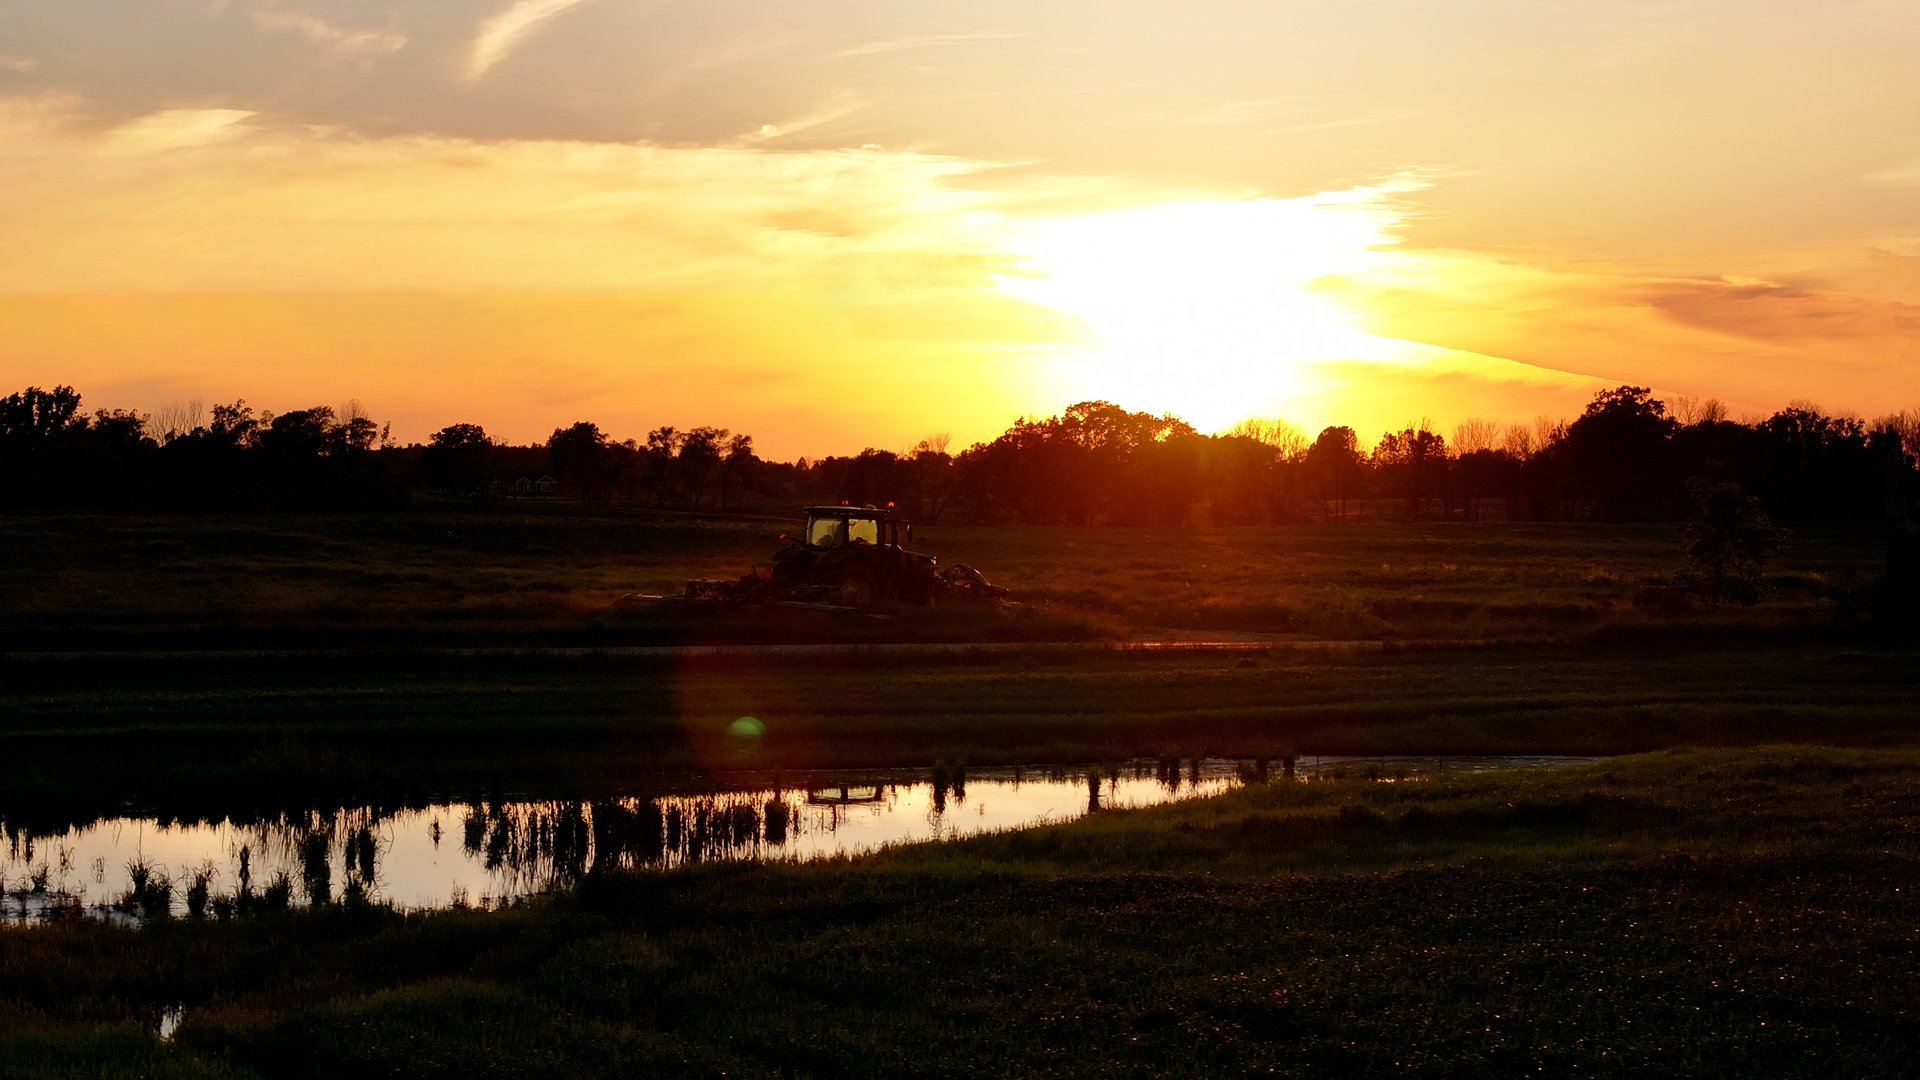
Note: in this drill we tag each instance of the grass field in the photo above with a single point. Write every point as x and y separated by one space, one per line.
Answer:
1728 913
550 575
1728 905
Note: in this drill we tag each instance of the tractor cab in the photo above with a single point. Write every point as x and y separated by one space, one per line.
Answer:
834 526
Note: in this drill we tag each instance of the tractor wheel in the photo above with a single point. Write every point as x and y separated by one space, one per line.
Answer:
858 588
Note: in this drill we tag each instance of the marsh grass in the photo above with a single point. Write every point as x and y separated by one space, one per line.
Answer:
362 850
1696 912
199 889
278 893
316 870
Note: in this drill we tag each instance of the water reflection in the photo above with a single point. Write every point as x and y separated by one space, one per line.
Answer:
509 849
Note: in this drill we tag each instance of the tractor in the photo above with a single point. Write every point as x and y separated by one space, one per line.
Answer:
857 550
848 557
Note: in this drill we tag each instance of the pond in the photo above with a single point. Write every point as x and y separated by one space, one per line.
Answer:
485 853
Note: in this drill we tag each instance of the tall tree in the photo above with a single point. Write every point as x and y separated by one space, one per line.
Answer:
1414 462
580 459
33 424
700 461
1333 468
456 459
1618 451
736 464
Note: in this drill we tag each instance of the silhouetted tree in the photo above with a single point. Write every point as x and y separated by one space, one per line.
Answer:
1904 426
456 459
1483 474
1064 469
700 460
1803 464
580 459
736 465
1094 463
1617 451
1334 468
289 450
33 423
1544 490
110 461
305 459
1238 476
1728 540
933 479
871 476
1159 480
209 467
1414 462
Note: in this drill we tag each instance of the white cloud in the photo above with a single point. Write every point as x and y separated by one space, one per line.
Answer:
20 64
502 33
174 129
338 40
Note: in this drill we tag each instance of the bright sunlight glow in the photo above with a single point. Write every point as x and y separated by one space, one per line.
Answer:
1211 310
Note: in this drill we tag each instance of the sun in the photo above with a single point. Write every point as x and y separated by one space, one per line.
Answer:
1213 310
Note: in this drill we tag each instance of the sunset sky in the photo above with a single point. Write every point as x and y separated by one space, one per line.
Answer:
839 224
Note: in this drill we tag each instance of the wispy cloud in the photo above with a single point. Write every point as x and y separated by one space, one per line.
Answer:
924 41
503 32
428 212
696 64
785 129
174 129
20 64
1769 311
337 40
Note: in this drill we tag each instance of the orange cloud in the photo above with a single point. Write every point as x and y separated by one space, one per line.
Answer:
1838 334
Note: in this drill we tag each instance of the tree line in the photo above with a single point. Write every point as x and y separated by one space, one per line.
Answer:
1627 457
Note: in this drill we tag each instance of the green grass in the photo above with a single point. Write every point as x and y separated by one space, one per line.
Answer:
550 574
1698 913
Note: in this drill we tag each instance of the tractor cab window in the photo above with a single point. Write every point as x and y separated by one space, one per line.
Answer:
826 532
833 531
